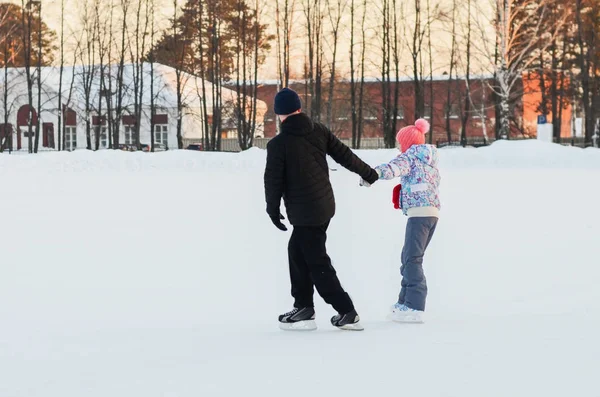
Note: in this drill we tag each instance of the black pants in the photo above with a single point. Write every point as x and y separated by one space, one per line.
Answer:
311 266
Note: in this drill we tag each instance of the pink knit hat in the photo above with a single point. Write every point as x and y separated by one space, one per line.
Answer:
412 135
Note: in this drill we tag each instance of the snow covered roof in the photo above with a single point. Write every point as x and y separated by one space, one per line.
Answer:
165 85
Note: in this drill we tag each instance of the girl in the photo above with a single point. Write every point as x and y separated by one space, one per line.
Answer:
418 197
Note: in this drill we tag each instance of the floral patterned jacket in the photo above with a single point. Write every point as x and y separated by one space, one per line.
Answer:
420 178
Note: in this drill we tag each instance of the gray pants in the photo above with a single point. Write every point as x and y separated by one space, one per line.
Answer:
419 232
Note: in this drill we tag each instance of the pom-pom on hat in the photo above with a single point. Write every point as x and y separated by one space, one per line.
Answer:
413 135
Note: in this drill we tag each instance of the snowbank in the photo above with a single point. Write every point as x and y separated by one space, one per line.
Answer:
135 274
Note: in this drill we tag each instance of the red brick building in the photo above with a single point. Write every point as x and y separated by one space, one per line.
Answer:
481 120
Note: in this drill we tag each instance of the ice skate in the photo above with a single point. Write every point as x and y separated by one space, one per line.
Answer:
403 314
349 321
299 319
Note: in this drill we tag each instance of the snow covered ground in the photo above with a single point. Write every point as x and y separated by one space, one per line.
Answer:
159 275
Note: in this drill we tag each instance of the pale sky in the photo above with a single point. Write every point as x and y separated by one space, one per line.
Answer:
441 36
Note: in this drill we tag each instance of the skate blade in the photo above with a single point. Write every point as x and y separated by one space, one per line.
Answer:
352 327
406 319
308 325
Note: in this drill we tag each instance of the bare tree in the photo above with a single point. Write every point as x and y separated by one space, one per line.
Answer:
121 87
179 73
391 60
210 42
448 111
26 45
313 12
587 33
9 54
104 44
11 49
137 54
61 71
385 67
353 99
466 111
87 57
416 50
335 19
250 42
284 22
107 86
38 8
520 29
357 88
152 12
431 86
361 90
202 92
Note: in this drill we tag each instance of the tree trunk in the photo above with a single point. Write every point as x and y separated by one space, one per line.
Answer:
6 132
152 99
361 91
39 81
415 53
467 108
352 76
60 74
26 22
335 32
449 97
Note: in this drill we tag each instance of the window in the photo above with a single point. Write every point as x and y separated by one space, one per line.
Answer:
453 111
400 115
478 108
129 134
427 112
161 134
477 113
369 115
103 138
228 134
70 138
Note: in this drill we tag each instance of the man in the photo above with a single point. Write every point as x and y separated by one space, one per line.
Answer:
297 171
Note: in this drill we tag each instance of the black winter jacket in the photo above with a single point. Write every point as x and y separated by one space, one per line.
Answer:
297 171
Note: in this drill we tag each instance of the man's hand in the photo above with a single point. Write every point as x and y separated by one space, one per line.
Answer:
276 219
367 184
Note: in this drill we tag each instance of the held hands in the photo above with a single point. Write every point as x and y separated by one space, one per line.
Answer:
276 219
364 183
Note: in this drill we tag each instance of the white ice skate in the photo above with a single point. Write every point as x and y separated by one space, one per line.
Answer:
403 314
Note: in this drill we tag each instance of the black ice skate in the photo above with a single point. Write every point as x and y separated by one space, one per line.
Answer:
299 319
349 321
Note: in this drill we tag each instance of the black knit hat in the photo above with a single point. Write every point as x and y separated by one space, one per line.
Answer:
287 102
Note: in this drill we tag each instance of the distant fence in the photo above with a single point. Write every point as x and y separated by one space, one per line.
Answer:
232 145
578 142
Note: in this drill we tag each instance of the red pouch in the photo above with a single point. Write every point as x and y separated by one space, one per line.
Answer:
396 197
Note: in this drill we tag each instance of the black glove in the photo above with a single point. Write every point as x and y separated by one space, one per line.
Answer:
276 219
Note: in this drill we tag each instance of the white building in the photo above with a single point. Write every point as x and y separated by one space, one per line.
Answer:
73 96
